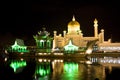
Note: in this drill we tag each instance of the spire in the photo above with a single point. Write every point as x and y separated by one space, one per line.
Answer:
95 28
70 42
15 43
95 21
73 19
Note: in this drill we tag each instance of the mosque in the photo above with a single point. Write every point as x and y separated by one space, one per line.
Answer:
72 41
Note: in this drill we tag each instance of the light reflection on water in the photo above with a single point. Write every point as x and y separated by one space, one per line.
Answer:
60 69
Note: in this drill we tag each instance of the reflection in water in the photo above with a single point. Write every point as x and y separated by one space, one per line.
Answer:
60 69
43 69
17 64
70 67
71 71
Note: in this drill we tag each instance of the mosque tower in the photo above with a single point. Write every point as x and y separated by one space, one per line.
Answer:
102 35
95 28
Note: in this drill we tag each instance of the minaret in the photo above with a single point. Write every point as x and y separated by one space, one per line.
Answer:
54 40
64 33
102 35
95 28
55 33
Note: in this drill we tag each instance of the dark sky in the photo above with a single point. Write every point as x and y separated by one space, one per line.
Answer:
26 18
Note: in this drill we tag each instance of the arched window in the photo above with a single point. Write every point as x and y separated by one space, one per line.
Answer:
41 44
48 44
95 47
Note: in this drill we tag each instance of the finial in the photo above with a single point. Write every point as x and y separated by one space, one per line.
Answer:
15 42
73 19
102 30
95 21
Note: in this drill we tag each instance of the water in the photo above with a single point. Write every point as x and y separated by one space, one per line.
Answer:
58 69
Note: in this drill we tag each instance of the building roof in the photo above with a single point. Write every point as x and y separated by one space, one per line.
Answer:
20 42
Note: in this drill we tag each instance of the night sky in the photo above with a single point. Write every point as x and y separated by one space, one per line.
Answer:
23 19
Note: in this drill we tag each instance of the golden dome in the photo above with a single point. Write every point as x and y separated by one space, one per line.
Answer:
73 23
73 26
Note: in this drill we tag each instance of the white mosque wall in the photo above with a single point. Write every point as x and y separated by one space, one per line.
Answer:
109 47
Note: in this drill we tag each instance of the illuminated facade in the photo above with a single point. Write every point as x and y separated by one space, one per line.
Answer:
75 35
72 41
18 46
43 41
109 47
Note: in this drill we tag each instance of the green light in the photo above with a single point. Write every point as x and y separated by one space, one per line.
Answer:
41 43
42 69
18 48
17 64
48 43
70 67
70 48
43 40
71 71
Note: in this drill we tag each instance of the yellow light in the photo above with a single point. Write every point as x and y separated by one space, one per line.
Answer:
21 59
89 51
40 60
5 59
88 62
